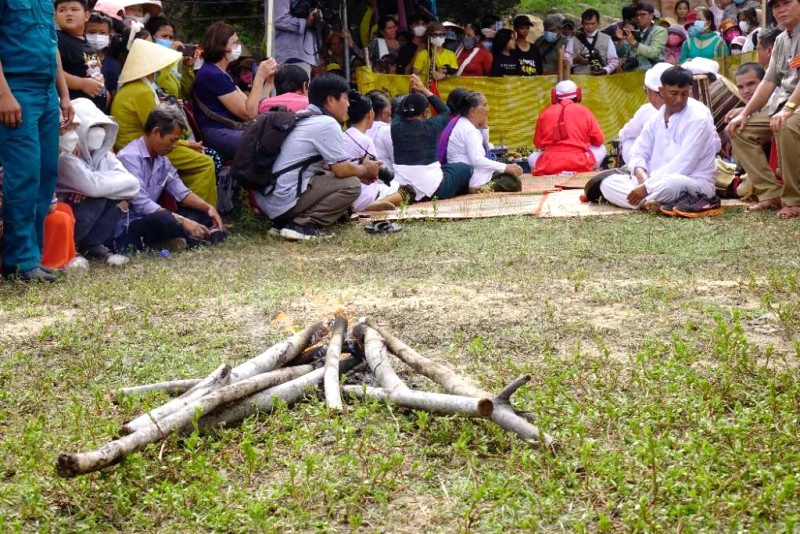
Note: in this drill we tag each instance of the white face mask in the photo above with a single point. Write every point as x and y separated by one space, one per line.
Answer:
234 54
744 26
437 41
68 141
141 20
95 137
97 41
419 31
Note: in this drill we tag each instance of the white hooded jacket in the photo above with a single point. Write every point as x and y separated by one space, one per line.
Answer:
98 174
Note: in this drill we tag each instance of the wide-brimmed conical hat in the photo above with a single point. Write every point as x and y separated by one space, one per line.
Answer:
146 58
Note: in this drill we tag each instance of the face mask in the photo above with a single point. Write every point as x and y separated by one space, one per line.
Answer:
97 41
419 31
234 54
164 42
591 35
198 64
437 41
738 2
95 137
140 20
469 42
68 141
744 26
550 37
487 45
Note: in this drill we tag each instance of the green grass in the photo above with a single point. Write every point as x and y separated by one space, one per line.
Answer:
610 8
663 353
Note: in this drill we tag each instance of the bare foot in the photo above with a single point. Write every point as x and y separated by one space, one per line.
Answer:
789 212
766 205
380 205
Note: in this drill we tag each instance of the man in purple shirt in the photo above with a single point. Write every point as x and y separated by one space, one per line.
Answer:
147 224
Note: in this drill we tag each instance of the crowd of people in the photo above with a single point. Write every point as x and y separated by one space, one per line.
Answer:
115 136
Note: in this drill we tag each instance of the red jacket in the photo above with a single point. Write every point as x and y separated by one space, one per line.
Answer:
481 64
566 138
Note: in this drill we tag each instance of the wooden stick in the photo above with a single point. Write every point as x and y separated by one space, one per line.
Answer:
333 396
173 387
219 378
426 400
290 392
280 354
504 414
378 361
70 465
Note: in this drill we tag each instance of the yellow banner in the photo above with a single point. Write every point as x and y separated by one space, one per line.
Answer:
515 102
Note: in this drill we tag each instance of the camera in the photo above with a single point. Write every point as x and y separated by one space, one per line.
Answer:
595 62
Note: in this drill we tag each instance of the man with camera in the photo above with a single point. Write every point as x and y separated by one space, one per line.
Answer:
643 44
298 25
590 51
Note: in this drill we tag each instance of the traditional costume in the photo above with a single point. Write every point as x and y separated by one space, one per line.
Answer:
679 158
567 134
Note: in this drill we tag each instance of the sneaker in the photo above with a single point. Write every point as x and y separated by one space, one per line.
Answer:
115 260
275 229
295 232
668 208
701 206
37 274
78 266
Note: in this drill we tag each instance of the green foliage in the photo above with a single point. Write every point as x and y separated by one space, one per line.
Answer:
611 8
663 354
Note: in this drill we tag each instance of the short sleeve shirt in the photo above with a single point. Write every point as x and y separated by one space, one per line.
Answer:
77 58
445 58
528 61
210 84
786 50
318 135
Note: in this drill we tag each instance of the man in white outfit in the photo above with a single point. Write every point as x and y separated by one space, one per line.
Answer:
672 166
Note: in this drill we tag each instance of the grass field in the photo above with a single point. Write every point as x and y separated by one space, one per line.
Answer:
663 352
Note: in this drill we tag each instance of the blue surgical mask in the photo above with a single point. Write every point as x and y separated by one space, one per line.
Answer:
164 42
550 37
738 2
700 25
693 31
487 45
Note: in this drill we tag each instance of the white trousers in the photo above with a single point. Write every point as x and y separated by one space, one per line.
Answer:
664 189
599 153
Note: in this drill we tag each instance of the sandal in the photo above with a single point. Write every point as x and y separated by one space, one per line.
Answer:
382 227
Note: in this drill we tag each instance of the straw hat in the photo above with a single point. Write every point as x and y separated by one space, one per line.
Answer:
116 8
146 58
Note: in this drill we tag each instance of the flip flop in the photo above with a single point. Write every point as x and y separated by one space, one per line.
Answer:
382 227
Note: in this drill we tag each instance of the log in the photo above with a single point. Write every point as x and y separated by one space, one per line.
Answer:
219 378
280 354
74 464
290 393
172 388
504 413
426 400
378 361
333 396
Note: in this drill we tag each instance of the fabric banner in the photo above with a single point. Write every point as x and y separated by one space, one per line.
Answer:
515 102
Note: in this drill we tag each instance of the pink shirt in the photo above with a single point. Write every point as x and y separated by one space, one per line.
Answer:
293 101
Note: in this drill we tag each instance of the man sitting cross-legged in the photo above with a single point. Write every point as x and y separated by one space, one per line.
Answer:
751 128
321 182
672 162
148 225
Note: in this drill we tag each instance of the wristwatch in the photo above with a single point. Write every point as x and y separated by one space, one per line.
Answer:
791 106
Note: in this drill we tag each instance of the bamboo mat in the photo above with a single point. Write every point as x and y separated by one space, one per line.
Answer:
478 206
554 182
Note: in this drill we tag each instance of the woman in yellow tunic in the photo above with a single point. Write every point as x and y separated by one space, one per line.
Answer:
137 98
177 79
445 60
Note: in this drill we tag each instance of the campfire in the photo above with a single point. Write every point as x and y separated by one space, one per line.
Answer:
310 361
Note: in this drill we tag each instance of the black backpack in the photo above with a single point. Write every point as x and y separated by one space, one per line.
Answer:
260 146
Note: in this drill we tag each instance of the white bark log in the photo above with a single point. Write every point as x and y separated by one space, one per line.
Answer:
172 388
504 413
290 392
333 396
280 354
219 378
70 465
426 400
378 361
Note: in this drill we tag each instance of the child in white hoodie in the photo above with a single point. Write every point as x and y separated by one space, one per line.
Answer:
94 183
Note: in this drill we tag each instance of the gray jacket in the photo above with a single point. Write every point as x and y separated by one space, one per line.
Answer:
293 40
